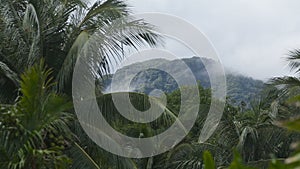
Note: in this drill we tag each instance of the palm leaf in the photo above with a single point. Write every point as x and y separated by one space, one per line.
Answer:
31 26
65 72
14 41
86 161
7 72
294 58
208 160
106 11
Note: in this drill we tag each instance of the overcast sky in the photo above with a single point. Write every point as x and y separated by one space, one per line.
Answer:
252 37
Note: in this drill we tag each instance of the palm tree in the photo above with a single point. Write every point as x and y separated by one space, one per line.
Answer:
290 93
136 130
289 85
57 31
35 130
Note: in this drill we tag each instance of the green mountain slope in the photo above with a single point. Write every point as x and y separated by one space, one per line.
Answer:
152 76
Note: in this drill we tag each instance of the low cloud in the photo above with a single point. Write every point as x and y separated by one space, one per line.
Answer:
252 37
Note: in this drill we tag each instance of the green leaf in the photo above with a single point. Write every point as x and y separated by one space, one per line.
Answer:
208 160
237 163
293 124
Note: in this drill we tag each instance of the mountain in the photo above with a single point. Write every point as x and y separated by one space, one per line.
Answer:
149 75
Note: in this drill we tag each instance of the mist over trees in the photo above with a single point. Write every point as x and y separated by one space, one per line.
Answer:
40 43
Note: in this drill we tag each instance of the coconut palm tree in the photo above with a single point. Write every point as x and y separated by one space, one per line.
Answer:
57 30
289 84
254 132
290 87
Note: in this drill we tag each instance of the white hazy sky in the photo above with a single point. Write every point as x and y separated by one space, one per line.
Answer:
252 37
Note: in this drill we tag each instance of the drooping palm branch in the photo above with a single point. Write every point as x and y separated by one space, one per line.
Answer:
58 31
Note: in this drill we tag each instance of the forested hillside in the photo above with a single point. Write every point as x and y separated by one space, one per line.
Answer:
240 88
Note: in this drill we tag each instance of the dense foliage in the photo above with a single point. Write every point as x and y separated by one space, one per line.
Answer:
41 40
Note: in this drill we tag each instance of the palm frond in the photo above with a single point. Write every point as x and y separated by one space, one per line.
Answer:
104 47
98 155
105 12
185 156
82 159
15 45
7 72
285 83
65 72
9 80
31 27
294 60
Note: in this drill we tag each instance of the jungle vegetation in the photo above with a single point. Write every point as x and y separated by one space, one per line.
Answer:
40 43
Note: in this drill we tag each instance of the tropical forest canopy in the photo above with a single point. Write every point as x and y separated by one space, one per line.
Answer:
40 43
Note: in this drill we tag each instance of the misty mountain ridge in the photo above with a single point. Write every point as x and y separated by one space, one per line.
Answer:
239 87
